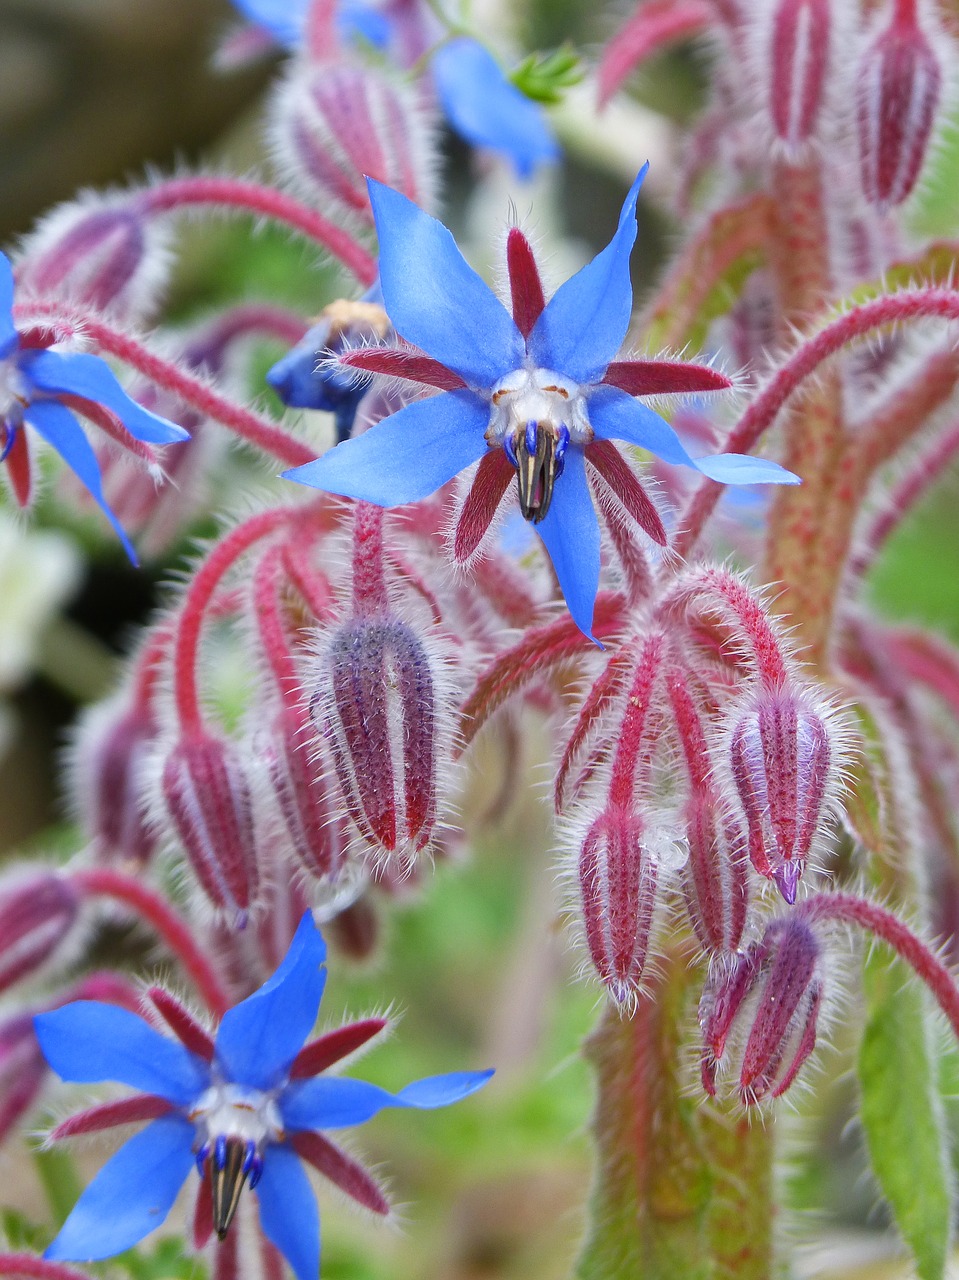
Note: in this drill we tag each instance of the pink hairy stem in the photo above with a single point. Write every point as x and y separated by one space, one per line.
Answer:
28 1264
194 391
319 32
633 732
652 28
149 665
312 585
152 907
267 586
243 196
369 578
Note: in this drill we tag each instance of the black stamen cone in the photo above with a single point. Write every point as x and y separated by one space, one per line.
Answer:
226 1183
535 472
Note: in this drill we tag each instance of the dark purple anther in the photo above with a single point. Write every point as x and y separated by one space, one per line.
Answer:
531 431
256 1171
201 1158
249 1157
509 448
220 1151
10 429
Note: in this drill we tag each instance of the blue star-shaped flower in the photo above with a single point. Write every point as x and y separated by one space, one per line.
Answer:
480 103
42 387
244 1109
539 392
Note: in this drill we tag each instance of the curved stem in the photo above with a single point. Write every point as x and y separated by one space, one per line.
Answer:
28 1264
106 882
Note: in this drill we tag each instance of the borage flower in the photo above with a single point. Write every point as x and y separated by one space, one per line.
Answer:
539 393
43 389
245 1109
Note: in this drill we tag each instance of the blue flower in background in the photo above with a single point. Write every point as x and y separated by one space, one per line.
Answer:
479 102
541 389
41 388
246 1111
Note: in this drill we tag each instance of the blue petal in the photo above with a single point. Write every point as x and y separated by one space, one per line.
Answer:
741 468
282 18
487 110
60 429
585 321
435 299
8 333
362 22
406 456
332 1102
89 377
87 1042
130 1196
288 1213
571 534
260 1037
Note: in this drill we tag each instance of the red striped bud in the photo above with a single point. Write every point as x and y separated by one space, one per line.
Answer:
897 91
617 878
715 882
768 998
37 912
379 709
335 124
799 58
781 763
207 795
23 1069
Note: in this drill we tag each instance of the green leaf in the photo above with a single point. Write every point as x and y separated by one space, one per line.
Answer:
545 76
902 1112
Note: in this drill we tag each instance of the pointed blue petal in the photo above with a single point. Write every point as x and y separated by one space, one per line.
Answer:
406 456
88 376
8 332
282 18
435 299
363 22
333 1102
288 1212
585 321
487 110
571 534
61 430
260 1037
740 468
87 1042
130 1196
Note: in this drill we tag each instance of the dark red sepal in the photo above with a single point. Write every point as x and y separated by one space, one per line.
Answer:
397 363
181 1022
663 377
324 1051
145 1106
525 285
491 481
203 1215
18 468
616 471
340 1168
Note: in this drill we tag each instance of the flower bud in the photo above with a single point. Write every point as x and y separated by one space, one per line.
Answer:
379 709
781 764
337 123
715 883
100 253
22 1070
111 745
617 878
37 912
799 57
772 993
207 795
897 91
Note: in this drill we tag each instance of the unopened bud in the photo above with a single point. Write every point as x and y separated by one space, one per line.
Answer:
769 996
303 796
112 743
207 795
781 764
617 878
96 252
380 712
22 1070
355 930
336 123
715 882
37 912
799 57
897 91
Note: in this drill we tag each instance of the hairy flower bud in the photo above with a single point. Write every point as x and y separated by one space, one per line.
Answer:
782 766
37 912
22 1070
897 91
772 993
335 124
715 883
799 57
378 707
207 794
112 743
617 878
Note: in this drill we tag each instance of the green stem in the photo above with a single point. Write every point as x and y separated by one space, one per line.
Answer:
60 1181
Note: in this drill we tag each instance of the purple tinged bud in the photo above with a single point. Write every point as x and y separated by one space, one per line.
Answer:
207 795
379 705
772 995
23 1069
781 762
37 913
303 795
715 880
799 57
898 85
617 878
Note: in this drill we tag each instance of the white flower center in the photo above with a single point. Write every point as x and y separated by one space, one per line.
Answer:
233 1125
